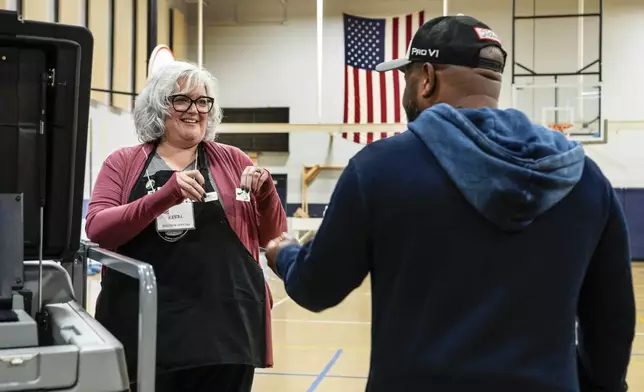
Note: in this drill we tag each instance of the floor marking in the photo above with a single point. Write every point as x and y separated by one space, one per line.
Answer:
350 377
322 348
287 374
322 321
324 372
281 301
340 376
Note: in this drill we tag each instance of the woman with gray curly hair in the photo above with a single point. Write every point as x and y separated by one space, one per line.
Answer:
198 211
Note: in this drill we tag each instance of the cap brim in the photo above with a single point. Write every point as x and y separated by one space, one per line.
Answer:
393 64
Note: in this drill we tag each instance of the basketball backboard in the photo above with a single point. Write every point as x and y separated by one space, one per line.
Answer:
574 109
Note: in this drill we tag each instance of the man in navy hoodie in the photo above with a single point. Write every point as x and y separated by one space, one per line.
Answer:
487 238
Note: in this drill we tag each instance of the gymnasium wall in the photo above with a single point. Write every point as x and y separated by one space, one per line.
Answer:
263 62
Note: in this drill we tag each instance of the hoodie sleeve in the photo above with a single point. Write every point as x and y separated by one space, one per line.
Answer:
321 274
606 310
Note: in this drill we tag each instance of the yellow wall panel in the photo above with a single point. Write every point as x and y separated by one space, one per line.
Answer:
37 10
4 5
163 26
71 12
99 23
180 33
122 76
141 44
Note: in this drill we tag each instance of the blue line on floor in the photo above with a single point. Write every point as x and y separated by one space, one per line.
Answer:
309 375
324 372
351 377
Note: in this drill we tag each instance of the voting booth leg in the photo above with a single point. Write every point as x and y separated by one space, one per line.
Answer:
144 273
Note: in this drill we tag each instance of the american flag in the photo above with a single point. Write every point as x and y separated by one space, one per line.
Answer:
371 97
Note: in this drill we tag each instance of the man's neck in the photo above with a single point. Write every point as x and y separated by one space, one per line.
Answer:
475 102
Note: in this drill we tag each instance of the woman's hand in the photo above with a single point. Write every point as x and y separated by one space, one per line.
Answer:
253 178
191 184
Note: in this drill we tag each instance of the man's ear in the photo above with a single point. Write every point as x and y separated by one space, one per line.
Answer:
428 75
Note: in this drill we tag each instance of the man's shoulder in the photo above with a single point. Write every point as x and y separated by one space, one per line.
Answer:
382 152
594 187
593 173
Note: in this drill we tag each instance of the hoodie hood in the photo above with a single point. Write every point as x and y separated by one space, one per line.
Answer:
508 168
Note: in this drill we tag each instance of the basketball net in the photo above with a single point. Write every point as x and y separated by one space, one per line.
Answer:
561 127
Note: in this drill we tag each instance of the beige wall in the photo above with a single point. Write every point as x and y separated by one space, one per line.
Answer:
179 33
141 45
99 24
72 12
122 75
37 10
163 25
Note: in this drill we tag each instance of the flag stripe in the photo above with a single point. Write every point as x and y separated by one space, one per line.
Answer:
389 76
396 74
375 97
346 95
383 98
356 92
369 87
364 102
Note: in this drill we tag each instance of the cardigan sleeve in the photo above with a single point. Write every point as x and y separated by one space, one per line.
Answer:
272 217
111 223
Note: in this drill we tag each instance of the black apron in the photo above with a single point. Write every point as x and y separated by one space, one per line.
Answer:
211 292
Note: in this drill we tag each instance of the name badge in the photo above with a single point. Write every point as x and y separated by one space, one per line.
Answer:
242 195
179 217
211 196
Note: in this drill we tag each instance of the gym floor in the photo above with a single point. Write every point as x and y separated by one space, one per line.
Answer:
330 351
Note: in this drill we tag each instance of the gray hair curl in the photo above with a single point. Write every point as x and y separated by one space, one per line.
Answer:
152 106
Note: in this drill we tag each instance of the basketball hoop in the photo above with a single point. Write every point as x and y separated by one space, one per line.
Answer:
561 127
161 55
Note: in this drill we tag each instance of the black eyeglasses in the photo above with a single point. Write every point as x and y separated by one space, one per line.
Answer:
182 103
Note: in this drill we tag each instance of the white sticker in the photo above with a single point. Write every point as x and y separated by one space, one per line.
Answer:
211 196
242 195
179 217
486 34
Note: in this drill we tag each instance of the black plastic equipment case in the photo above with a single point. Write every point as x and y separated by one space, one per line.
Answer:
45 77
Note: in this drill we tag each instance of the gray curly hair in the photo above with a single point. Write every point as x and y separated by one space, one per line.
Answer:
152 106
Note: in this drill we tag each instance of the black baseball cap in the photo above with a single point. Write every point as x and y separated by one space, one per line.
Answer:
450 40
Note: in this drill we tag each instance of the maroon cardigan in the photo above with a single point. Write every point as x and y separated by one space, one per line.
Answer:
112 221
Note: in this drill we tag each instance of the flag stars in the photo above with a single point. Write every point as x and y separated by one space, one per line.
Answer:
364 42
